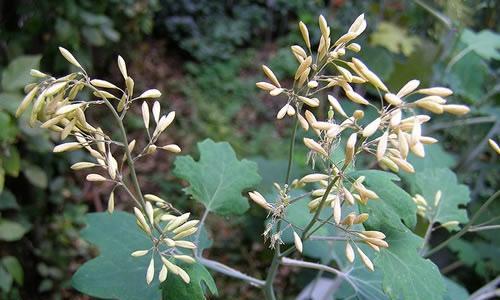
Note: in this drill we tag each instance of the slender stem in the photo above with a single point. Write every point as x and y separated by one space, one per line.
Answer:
273 268
290 152
221 268
320 206
271 274
481 228
130 161
465 229
200 228
427 236
310 265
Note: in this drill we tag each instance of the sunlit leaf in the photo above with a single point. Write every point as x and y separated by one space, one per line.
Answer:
218 178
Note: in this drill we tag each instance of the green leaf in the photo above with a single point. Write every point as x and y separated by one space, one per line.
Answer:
359 283
468 77
12 162
175 289
406 274
395 204
5 280
36 176
485 43
454 291
8 126
17 74
362 284
115 274
394 38
274 171
454 197
10 101
435 157
8 200
218 178
11 231
15 269
468 253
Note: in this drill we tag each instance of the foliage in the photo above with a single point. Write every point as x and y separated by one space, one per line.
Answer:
79 25
218 178
115 274
210 30
26 161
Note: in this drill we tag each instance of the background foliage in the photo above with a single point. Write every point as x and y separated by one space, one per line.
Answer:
206 56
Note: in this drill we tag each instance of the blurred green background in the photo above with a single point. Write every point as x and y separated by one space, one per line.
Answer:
205 57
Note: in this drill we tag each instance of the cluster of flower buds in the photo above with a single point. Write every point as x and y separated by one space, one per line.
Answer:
389 137
57 107
374 239
169 244
429 211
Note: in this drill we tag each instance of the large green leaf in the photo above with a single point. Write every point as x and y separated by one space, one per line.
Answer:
406 274
359 283
468 77
175 289
395 204
17 74
454 291
115 274
218 178
454 197
468 254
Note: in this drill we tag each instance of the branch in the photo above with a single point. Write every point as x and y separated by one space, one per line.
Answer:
223 269
310 265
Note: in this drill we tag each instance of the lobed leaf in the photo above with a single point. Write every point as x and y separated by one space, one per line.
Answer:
218 178
115 274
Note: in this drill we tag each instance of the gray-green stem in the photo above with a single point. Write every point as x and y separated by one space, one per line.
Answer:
273 268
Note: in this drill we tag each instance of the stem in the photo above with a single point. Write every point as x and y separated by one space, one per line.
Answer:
427 236
481 228
320 207
465 229
290 152
130 161
200 228
305 264
273 269
221 268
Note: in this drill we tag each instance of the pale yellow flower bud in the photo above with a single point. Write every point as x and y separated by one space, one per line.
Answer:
297 241
95 177
152 93
371 128
269 73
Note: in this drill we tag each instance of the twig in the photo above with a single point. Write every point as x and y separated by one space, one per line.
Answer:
226 270
310 265
482 228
